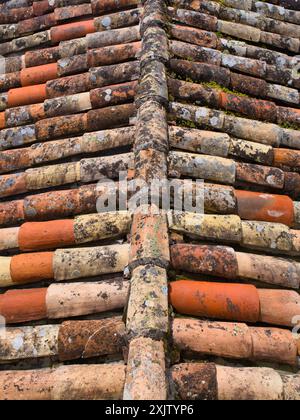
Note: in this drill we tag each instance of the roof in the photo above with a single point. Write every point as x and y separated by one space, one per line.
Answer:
153 102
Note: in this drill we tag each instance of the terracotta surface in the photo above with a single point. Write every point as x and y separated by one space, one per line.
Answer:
113 95
274 344
75 382
260 175
2 120
63 204
38 75
76 299
112 54
218 261
287 157
32 267
12 184
249 384
41 7
9 238
145 379
108 5
86 339
225 339
279 307
272 270
45 235
195 381
267 207
72 30
145 245
217 300
234 340
37 112
11 212
27 95
40 57
255 108
20 305
37 341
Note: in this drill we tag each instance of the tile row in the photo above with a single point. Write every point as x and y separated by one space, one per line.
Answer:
206 382
68 125
249 26
71 340
285 10
247 66
74 263
96 77
178 164
227 301
80 37
57 233
63 264
186 139
111 54
69 30
218 199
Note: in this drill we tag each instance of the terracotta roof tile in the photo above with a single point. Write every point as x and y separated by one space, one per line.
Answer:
110 386
78 299
73 339
228 383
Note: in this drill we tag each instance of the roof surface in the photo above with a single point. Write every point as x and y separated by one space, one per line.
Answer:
104 300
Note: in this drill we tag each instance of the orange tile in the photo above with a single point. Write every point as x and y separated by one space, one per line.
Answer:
236 302
252 108
2 120
26 95
72 30
287 157
27 268
43 235
265 207
23 305
39 74
206 259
